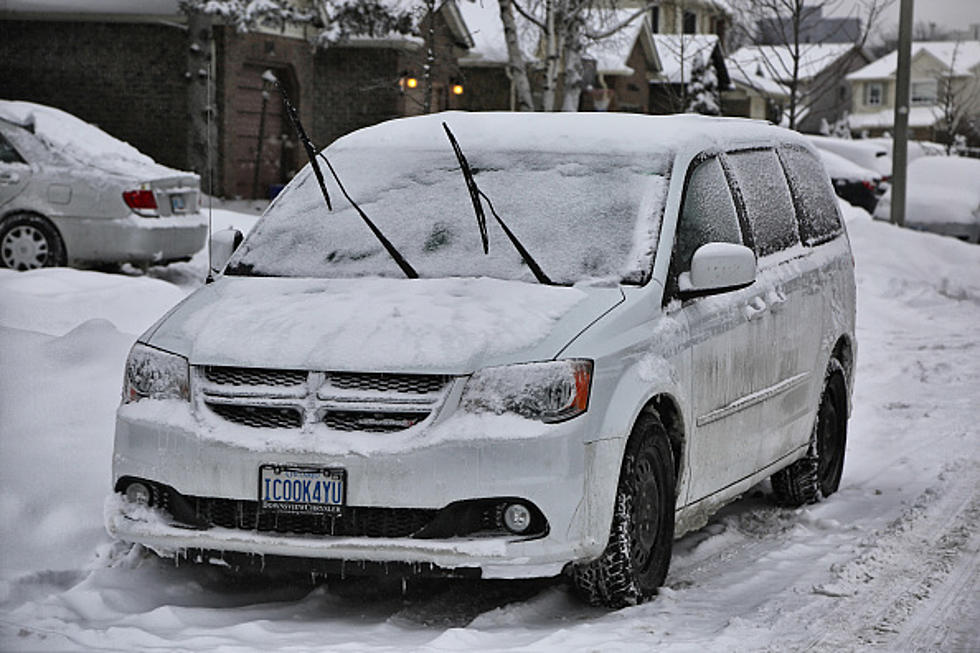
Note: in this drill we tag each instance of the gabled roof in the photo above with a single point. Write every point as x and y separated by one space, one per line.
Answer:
678 53
612 53
758 83
961 56
486 31
775 62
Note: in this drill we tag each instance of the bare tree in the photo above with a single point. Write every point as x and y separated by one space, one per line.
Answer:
959 96
784 60
516 67
565 29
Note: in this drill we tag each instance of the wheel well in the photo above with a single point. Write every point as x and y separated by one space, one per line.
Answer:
844 354
670 416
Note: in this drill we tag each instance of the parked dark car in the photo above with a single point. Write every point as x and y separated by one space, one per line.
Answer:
856 185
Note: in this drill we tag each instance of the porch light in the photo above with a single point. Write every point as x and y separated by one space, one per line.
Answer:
457 89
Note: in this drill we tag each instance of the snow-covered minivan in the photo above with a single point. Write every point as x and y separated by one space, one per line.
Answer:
516 345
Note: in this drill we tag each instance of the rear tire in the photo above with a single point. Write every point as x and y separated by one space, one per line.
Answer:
817 476
29 242
635 561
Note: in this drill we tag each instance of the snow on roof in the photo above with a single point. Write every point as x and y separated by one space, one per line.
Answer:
776 61
482 19
755 81
961 56
563 132
678 52
918 117
612 53
81 141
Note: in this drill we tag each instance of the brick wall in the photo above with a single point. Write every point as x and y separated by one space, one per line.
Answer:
126 78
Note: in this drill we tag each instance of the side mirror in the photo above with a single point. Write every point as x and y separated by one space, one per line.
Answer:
223 245
717 267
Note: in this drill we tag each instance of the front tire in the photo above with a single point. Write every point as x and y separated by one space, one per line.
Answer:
29 242
635 561
817 476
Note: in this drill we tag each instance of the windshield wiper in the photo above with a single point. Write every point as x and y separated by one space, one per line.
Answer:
311 153
481 219
307 143
395 254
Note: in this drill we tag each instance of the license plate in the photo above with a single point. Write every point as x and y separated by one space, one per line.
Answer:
177 203
302 490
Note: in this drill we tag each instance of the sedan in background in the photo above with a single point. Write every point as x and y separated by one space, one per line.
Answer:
943 197
71 194
865 153
856 185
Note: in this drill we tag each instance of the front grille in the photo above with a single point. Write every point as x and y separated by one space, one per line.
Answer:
400 383
371 422
253 376
354 522
259 416
368 402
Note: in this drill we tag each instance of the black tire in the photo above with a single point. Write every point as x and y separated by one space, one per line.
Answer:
818 475
635 561
29 241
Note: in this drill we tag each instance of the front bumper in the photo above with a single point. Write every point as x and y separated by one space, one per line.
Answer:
550 468
133 238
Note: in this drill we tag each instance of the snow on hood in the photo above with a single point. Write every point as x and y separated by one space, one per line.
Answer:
78 140
448 326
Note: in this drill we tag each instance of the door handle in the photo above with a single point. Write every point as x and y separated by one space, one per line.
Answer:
755 309
775 298
9 177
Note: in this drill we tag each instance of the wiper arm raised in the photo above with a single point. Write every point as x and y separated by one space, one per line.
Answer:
307 143
394 253
475 195
311 154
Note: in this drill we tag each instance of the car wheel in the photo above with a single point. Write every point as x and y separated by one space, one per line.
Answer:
28 242
635 561
818 475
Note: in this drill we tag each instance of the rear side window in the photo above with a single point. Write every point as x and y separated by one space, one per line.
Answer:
7 152
707 216
816 204
759 178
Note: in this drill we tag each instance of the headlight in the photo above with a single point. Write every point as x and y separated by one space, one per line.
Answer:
154 374
554 391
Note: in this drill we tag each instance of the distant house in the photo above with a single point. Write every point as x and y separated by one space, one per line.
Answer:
680 54
945 86
813 27
823 93
754 95
625 64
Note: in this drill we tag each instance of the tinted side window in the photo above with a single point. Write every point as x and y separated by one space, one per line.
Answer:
7 152
707 213
816 204
759 178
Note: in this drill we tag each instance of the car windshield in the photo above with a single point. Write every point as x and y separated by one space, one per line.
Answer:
582 216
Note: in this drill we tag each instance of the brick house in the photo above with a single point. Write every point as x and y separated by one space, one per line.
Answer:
143 79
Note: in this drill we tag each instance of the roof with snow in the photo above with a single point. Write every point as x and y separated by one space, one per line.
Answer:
755 81
486 31
612 53
679 52
961 56
775 62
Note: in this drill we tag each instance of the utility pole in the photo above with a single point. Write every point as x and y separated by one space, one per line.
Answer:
900 151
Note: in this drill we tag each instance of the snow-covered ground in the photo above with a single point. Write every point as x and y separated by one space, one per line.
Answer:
891 562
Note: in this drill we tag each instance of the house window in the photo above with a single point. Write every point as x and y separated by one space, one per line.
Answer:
690 22
873 93
924 92
655 19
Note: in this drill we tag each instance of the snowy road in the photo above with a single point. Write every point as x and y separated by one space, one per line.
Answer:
891 562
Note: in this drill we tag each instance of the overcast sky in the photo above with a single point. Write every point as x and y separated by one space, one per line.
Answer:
956 14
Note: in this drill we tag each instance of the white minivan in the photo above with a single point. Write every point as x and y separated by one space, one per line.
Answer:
515 345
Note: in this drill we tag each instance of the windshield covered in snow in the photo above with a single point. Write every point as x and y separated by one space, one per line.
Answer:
581 216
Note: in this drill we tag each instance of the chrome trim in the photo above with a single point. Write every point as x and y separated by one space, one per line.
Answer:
752 399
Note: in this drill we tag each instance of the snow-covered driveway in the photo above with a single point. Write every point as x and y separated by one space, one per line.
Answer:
889 562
